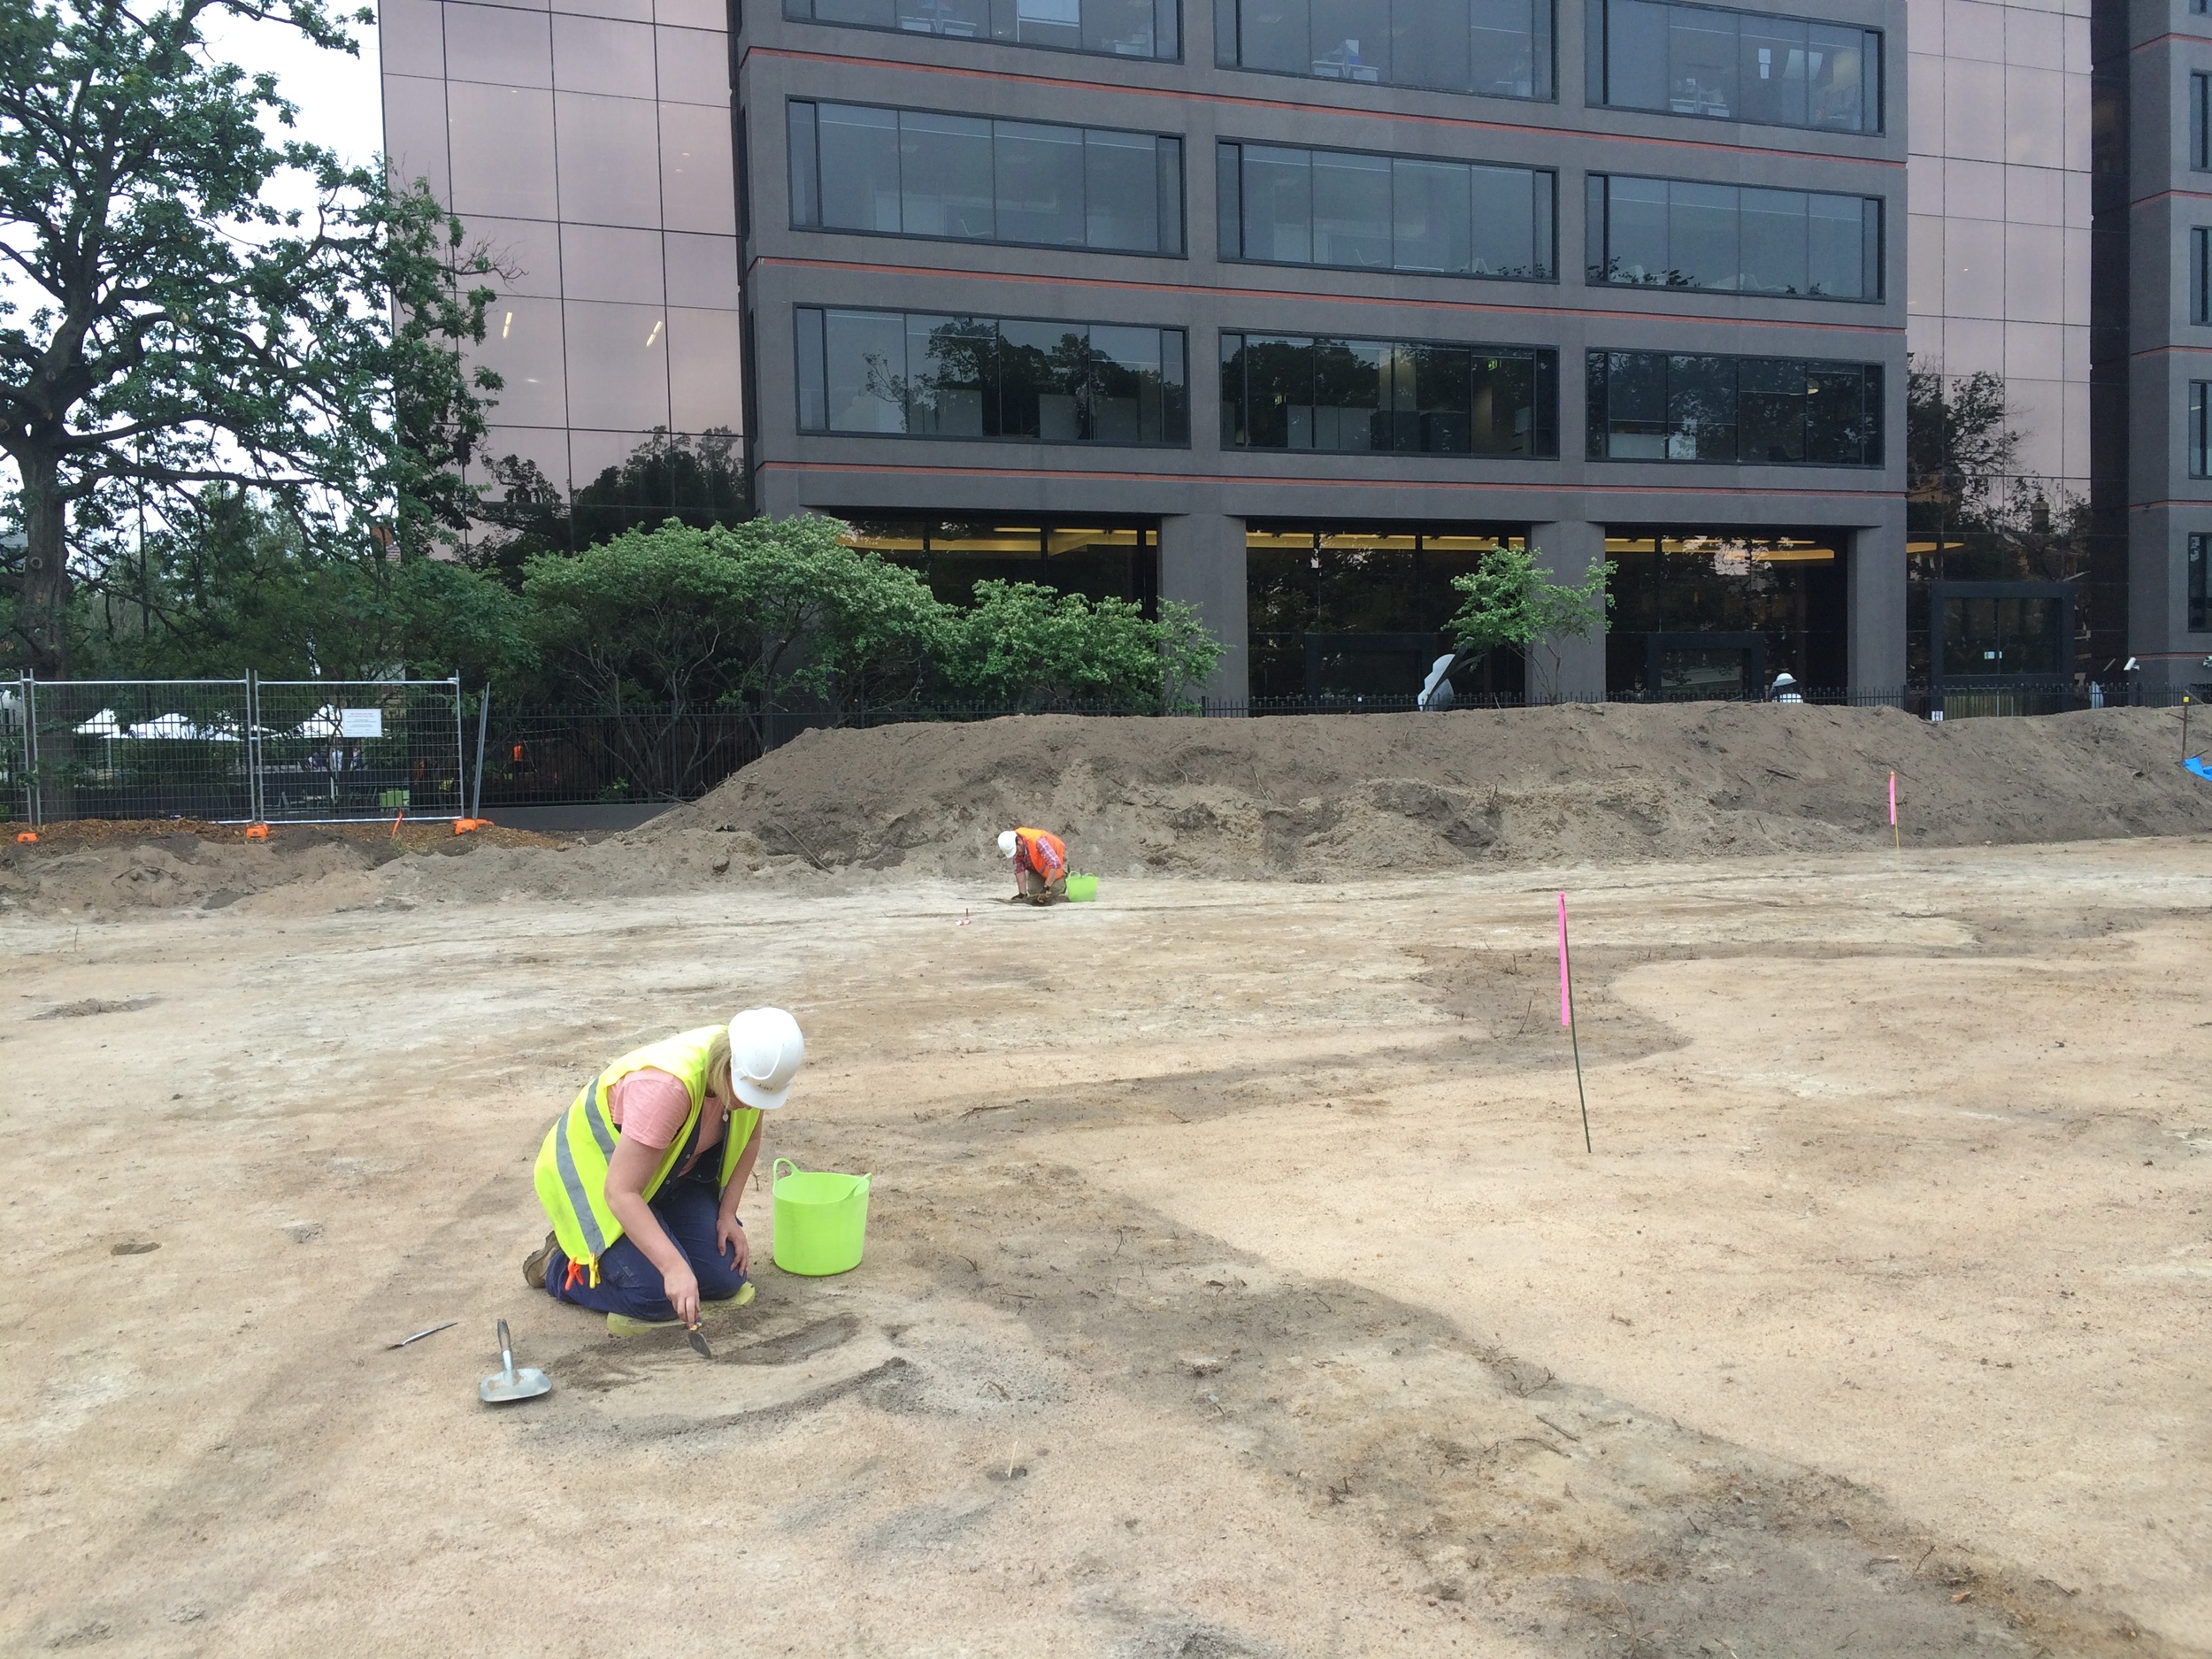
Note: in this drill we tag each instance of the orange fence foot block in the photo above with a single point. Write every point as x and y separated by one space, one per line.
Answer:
23 836
256 832
463 826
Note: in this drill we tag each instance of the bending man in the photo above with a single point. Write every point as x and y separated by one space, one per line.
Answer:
1040 863
641 1175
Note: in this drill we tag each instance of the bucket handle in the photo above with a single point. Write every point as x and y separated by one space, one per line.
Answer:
776 1169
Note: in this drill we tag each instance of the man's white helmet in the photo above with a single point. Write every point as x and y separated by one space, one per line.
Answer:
765 1049
1781 680
1007 842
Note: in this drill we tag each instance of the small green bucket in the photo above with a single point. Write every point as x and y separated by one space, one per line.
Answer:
1081 889
821 1219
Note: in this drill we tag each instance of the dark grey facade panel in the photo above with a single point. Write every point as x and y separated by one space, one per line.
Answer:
1376 448
2161 360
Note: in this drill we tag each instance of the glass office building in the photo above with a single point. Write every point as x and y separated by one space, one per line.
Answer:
1290 308
588 148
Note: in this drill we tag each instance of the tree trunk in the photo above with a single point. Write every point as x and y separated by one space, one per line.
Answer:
44 613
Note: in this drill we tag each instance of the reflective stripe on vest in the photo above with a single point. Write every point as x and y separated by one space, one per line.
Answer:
571 1176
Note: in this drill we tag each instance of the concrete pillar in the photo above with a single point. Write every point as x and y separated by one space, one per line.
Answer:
1567 550
1877 578
1201 564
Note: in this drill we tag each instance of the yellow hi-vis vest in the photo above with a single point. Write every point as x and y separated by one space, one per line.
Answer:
572 1169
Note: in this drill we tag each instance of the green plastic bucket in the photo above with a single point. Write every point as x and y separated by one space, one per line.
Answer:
821 1219
1082 889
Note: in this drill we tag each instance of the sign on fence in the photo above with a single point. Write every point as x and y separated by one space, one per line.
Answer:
233 750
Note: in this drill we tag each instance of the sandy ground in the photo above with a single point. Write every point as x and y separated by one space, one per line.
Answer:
1238 1283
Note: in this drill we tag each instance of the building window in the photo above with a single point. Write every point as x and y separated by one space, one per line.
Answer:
1099 560
1746 412
2200 589
1388 396
2201 275
1499 48
930 376
2200 451
1112 28
1670 233
1734 66
965 178
1356 615
1369 212
2200 123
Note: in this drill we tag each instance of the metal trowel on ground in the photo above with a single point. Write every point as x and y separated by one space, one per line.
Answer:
502 1387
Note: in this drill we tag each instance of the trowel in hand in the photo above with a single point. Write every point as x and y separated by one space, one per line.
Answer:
502 1387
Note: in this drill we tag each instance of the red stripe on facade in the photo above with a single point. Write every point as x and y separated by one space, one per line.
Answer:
1336 299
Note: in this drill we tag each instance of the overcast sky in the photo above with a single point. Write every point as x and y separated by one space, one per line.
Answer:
341 103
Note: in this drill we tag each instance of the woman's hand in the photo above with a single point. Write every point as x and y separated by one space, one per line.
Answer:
729 1239
682 1287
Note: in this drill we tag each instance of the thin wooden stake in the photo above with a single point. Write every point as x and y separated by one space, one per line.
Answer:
1566 1009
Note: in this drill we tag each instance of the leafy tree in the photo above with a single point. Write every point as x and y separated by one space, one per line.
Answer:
658 616
164 328
755 615
1027 646
229 587
1508 600
1189 652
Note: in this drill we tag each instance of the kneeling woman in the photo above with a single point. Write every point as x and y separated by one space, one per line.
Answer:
641 1176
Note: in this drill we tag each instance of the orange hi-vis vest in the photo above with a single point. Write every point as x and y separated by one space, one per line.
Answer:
1042 851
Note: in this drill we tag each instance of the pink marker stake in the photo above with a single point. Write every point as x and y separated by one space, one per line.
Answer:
1566 1018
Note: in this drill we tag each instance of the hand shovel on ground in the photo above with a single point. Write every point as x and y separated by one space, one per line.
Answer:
698 1340
502 1387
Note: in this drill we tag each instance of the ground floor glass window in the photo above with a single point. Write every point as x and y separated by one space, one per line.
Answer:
1357 615
1099 560
1718 614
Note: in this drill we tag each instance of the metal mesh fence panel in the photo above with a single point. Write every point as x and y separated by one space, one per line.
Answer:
15 758
138 749
328 751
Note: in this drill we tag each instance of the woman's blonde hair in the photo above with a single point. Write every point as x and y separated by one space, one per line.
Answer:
718 1065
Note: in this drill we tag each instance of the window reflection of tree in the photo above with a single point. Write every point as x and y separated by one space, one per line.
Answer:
1700 408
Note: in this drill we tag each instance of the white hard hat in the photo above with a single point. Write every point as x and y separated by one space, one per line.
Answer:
1006 842
1786 679
765 1049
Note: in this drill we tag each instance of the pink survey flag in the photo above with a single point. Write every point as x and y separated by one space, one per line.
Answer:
1566 1004
1893 799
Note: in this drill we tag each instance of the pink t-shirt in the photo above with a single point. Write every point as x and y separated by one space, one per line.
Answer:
649 1107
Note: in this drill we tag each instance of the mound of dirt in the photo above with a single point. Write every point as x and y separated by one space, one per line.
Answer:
1314 796
102 866
1293 798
